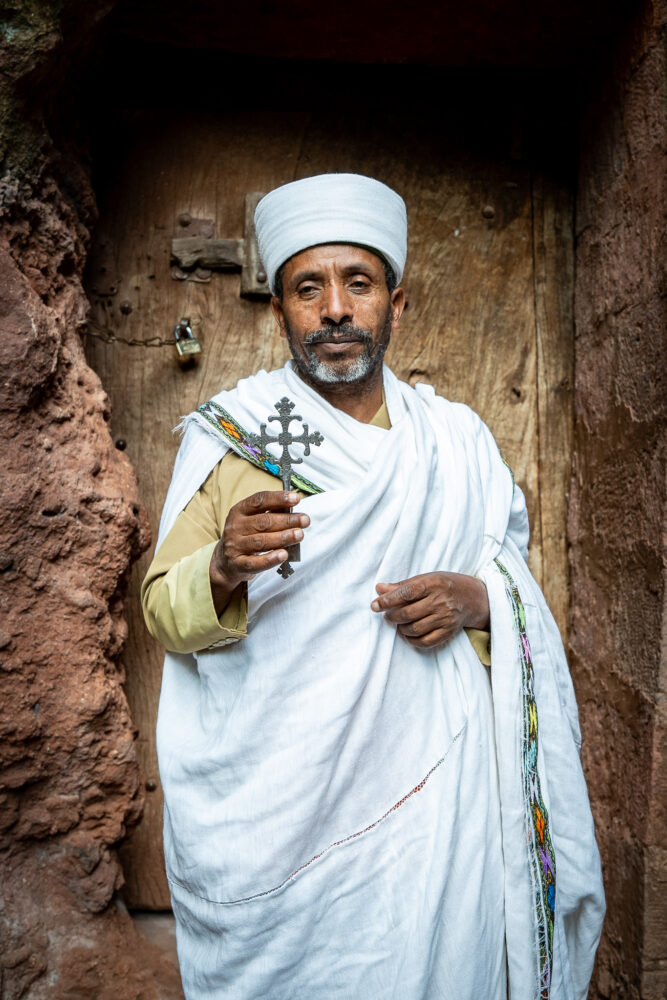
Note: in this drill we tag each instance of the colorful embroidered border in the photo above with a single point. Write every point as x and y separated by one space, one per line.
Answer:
542 856
238 440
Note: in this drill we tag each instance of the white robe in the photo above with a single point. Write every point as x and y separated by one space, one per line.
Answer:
347 816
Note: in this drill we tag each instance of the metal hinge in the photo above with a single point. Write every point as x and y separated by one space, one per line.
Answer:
196 253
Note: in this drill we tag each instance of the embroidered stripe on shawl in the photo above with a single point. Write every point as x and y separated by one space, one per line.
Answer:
542 855
239 441
427 517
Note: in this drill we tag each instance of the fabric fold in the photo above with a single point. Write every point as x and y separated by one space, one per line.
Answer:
269 760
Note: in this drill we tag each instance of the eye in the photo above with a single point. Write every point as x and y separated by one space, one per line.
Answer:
306 290
358 284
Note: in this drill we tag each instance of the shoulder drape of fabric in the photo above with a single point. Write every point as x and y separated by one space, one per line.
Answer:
331 727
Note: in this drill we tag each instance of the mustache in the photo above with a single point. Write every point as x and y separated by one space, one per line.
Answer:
333 334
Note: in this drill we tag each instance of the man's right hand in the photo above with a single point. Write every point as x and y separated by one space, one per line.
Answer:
255 538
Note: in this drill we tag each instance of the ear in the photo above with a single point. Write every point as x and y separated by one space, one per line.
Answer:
278 314
397 306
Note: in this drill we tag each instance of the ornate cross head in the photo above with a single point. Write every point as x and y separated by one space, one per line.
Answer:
286 462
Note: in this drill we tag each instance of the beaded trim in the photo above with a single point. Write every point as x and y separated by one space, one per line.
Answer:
542 855
337 843
238 440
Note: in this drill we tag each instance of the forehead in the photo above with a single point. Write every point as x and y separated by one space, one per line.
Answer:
333 256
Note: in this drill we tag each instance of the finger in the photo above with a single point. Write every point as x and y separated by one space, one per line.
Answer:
381 588
418 629
250 565
266 522
436 638
403 593
268 500
269 541
410 612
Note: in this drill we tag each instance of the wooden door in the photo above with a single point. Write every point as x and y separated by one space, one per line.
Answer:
488 283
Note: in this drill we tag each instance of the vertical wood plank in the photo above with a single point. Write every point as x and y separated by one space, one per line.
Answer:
553 250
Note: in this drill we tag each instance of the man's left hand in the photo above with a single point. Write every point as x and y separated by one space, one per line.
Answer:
431 608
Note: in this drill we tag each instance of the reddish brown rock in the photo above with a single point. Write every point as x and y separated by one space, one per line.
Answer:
71 525
617 514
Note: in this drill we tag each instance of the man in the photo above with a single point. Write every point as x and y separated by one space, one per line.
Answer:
355 806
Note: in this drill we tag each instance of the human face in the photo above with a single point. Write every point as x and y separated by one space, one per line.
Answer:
337 315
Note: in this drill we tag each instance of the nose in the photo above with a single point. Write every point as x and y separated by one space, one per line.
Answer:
335 306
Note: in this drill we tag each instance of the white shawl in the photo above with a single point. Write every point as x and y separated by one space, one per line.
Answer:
304 736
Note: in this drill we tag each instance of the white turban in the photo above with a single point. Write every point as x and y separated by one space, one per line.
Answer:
331 208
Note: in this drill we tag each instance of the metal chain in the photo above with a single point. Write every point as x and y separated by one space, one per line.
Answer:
109 336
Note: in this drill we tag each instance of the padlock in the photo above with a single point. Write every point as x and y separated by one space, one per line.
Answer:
188 347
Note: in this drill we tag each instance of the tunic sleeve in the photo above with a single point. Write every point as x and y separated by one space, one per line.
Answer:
176 593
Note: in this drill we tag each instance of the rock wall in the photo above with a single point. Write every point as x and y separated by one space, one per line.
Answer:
71 524
618 500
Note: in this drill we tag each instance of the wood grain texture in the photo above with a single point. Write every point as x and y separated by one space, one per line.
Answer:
470 329
553 252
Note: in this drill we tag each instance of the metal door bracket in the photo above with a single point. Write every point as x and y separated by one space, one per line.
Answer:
196 253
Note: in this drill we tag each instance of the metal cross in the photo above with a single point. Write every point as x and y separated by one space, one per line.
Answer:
286 461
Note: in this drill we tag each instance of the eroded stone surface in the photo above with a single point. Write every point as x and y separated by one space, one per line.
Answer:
71 524
618 501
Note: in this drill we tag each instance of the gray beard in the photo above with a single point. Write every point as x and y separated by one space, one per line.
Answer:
357 371
340 373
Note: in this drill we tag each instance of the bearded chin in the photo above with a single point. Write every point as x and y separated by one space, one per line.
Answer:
342 372
328 373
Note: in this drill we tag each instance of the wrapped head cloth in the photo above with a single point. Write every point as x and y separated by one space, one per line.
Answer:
331 208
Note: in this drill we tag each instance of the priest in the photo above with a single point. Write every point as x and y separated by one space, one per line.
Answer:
370 759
